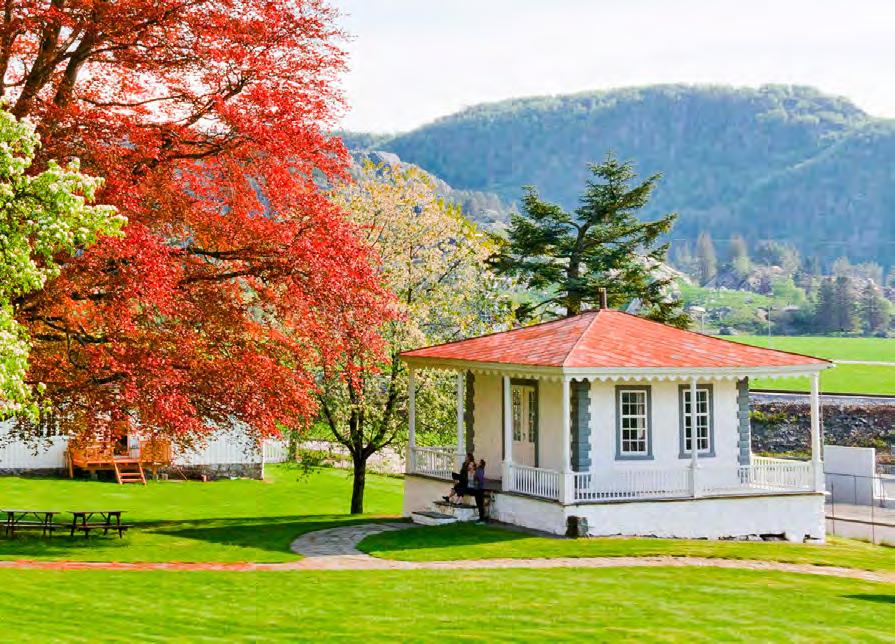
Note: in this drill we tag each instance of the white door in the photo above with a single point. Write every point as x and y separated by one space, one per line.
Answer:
525 424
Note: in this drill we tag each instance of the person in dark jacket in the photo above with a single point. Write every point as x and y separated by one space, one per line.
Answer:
461 486
478 489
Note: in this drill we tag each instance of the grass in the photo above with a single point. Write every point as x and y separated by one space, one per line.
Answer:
498 605
844 378
465 541
868 349
255 521
239 520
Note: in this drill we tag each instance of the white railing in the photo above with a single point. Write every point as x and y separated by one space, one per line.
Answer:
632 484
533 481
433 461
777 473
762 476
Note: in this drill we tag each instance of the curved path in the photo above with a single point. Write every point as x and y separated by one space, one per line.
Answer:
336 549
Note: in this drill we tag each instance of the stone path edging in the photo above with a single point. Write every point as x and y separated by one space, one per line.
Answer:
336 549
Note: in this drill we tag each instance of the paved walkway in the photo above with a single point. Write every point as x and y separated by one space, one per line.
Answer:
336 549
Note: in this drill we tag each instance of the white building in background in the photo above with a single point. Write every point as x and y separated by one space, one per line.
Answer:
588 422
226 454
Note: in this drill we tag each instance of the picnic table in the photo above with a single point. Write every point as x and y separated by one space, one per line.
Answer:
82 521
30 519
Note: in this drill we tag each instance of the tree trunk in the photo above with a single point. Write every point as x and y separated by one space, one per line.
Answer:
360 480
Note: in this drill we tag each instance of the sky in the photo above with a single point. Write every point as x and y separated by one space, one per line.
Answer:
411 61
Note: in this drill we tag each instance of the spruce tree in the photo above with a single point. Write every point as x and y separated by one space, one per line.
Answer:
874 310
845 315
564 258
824 311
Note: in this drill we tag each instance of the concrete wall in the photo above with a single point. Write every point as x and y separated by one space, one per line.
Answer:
795 516
849 473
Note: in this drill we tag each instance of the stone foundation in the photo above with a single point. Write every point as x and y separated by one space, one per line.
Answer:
216 471
45 472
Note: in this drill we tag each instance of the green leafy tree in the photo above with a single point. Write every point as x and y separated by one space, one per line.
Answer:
564 258
738 256
706 257
47 217
432 260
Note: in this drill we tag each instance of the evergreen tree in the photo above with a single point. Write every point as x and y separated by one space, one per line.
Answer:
706 257
875 310
844 306
565 258
824 312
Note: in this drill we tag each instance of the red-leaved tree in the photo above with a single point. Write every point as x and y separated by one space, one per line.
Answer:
236 278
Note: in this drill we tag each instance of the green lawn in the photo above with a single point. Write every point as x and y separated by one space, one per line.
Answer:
870 349
844 378
465 541
255 521
240 520
521 605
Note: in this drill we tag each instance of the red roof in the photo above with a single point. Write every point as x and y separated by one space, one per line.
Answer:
610 339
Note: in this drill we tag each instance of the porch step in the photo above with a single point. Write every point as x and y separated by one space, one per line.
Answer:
432 518
459 511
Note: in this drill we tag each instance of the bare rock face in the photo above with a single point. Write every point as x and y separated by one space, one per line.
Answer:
781 427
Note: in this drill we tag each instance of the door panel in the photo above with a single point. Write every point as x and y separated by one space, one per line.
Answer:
525 424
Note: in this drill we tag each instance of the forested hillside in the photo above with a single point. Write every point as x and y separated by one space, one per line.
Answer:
785 163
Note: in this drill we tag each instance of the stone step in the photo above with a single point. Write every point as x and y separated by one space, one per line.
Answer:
432 518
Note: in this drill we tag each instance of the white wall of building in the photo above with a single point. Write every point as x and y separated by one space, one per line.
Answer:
665 426
223 448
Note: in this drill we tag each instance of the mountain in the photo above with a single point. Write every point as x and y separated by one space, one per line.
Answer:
781 162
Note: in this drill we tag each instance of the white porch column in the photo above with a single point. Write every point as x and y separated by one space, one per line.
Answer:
461 390
694 443
817 465
411 420
567 483
507 434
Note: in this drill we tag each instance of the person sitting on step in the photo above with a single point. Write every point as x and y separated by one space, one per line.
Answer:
462 480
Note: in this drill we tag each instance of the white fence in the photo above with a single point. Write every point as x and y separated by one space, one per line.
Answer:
433 461
276 451
533 481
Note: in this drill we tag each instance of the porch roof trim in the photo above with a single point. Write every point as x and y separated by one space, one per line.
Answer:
617 373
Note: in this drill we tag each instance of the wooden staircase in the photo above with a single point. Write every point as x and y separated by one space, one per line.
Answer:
128 470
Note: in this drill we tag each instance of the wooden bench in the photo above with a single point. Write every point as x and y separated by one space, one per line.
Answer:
29 520
81 522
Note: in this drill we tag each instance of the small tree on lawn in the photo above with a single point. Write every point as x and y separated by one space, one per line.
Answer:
46 218
569 256
433 260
